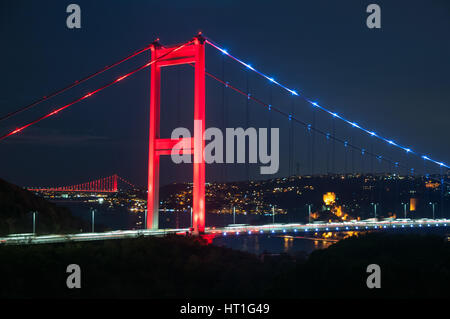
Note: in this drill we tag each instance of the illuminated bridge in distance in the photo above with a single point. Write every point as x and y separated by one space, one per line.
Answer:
101 185
233 230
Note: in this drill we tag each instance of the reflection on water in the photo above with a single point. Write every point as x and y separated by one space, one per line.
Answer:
287 244
258 244
121 218
106 218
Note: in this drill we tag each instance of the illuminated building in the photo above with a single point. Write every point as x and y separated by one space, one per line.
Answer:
329 198
412 204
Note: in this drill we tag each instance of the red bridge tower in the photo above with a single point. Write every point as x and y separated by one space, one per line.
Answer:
194 54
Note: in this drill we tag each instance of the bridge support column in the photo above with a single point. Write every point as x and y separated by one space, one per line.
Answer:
153 158
193 54
199 141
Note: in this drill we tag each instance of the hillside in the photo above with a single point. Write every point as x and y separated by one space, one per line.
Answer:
413 266
16 205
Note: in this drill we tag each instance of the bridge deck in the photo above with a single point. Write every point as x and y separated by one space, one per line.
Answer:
25 239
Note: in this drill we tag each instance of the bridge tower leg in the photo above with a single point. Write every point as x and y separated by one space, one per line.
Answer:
194 54
153 158
199 141
115 183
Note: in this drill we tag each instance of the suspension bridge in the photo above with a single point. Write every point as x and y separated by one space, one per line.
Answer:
102 185
192 53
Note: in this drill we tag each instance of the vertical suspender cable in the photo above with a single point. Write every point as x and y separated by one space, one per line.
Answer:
353 153
247 120
291 140
333 167
224 115
442 193
313 142
178 97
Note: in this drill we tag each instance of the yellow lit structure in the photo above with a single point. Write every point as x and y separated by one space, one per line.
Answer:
412 204
329 198
432 185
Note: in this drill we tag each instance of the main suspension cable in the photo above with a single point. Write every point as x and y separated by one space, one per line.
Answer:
78 82
91 93
334 114
309 127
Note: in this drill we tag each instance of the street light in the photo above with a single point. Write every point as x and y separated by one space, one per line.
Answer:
93 218
432 205
404 209
309 213
273 214
374 209
145 219
34 223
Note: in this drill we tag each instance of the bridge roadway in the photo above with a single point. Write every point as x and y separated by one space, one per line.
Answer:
232 230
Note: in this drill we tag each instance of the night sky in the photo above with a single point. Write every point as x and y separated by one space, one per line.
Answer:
394 80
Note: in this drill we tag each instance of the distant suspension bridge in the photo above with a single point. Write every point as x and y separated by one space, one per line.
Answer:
101 185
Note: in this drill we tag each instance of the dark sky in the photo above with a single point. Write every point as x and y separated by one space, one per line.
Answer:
394 80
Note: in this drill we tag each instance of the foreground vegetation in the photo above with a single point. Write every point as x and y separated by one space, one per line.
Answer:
175 267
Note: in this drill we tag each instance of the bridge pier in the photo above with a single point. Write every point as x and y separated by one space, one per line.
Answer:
194 54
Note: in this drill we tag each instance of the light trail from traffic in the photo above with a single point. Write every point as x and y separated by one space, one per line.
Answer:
232 230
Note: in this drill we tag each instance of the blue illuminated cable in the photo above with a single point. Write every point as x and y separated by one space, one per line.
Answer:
353 124
299 121
271 107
